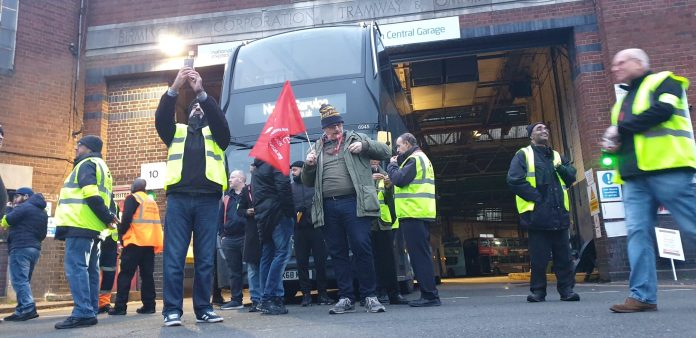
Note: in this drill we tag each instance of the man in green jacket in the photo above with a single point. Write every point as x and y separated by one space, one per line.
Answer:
345 203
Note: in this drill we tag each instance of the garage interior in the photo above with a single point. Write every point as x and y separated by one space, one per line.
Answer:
471 101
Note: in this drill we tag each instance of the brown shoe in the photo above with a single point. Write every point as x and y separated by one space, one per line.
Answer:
633 305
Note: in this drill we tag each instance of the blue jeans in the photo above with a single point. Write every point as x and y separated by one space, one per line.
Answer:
642 195
186 214
22 262
233 248
82 272
254 277
343 229
274 258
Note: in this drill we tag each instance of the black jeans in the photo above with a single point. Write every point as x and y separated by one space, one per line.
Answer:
417 236
309 240
143 258
233 247
542 245
107 265
385 264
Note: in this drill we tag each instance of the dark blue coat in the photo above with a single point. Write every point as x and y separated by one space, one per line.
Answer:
28 223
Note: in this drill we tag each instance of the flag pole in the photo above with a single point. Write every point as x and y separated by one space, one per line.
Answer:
307 135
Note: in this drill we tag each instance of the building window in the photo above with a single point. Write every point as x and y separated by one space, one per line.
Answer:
8 33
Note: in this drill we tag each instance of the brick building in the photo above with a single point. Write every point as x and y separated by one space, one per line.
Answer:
100 71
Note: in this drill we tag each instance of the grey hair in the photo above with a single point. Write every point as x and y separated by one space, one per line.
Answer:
639 55
408 137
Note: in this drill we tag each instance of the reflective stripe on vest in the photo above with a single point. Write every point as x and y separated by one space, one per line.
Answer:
214 158
146 228
72 209
524 205
675 135
384 213
417 199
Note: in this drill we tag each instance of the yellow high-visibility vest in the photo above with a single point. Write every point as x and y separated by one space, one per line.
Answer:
214 158
417 199
384 213
524 205
72 209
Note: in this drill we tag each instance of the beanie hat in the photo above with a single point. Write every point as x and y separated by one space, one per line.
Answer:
531 127
329 115
297 164
92 142
24 191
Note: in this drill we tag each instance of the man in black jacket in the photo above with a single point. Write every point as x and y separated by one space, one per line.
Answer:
274 210
231 230
195 180
308 240
542 201
27 223
252 245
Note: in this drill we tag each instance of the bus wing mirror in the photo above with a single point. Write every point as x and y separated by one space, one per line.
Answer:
384 137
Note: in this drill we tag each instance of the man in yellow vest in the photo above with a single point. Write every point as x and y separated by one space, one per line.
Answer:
539 175
652 137
140 232
195 181
383 239
82 213
414 198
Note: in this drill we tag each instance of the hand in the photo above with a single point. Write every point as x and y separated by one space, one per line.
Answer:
195 81
610 140
181 78
113 225
355 147
250 212
311 158
393 160
119 247
377 176
387 181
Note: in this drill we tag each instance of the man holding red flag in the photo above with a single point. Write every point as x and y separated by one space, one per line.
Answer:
273 204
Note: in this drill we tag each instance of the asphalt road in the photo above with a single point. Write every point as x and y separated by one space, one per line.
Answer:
468 310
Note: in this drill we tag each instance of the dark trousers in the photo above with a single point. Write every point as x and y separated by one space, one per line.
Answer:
233 248
417 237
142 258
343 229
542 245
309 240
107 265
385 265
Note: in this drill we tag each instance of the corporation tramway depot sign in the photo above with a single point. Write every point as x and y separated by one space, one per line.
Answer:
253 23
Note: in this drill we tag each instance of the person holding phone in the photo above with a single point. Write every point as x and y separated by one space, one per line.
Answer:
195 181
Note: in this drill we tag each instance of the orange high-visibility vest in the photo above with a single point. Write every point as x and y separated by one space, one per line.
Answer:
146 228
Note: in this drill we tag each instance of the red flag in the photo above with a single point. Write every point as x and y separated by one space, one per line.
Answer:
273 145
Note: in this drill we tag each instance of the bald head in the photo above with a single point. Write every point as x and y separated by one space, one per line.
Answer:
237 179
139 184
629 64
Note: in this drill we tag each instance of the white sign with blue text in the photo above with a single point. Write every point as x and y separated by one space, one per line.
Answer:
608 190
405 33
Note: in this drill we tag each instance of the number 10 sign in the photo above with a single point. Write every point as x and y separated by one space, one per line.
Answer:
153 173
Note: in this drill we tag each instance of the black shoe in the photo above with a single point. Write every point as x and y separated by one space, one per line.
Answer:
23 317
397 299
118 311
146 309
264 306
74 322
383 298
104 309
536 298
324 299
218 300
276 307
571 297
254 307
422 302
306 299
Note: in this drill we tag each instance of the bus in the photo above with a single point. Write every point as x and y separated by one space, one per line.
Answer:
345 66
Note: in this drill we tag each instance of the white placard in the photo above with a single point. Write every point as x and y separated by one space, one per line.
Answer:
592 197
669 243
154 173
613 210
405 33
608 190
49 208
51 229
215 54
589 178
616 228
597 227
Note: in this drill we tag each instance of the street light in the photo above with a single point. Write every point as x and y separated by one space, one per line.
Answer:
171 44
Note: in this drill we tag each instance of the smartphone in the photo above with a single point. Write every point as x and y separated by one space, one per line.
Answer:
188 62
